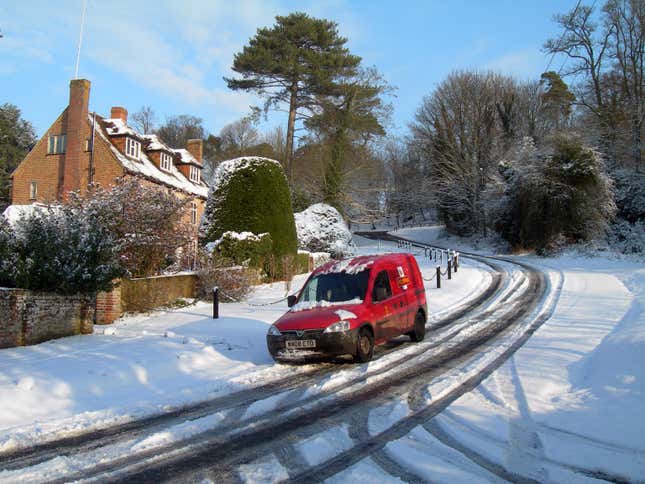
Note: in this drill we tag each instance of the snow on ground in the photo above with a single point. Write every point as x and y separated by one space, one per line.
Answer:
568 406
144 364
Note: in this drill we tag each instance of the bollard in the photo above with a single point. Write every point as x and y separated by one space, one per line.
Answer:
449 273
215 302
438 277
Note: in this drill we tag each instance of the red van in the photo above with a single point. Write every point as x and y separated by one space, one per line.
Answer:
346 307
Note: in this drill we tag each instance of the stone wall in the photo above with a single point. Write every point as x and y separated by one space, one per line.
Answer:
28 317
143 294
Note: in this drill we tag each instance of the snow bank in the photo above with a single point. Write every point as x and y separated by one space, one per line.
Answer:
322 229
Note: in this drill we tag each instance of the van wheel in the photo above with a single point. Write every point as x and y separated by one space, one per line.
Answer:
419 331
364 346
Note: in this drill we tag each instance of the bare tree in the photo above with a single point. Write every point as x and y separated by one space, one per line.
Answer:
238 136
144 120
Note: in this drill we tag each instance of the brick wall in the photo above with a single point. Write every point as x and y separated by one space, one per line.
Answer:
143 294
108 306
28 317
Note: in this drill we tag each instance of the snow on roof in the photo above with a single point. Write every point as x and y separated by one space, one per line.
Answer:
226 168
116 126
147 168
155 143
186 156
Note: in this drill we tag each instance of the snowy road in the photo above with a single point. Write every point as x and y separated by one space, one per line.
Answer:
464 405
269 429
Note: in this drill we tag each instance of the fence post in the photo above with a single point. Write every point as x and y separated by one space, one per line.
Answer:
215 302
456 262
438 277
449 271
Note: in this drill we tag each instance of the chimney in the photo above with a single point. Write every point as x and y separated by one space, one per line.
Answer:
118 112
76 130
196 148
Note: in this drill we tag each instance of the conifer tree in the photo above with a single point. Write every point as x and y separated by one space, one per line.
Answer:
291 63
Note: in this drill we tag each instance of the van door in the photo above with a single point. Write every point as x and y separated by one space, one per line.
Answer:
382 311
400 298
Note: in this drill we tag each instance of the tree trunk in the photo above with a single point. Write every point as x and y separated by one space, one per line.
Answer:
290 132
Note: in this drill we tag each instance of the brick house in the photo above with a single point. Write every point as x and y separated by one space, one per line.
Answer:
81 148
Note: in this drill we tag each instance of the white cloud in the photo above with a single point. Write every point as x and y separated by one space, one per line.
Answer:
523 64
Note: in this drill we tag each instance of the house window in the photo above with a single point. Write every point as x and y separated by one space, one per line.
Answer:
56 144
88 144
193 213
166 161
33 190
132 148
194 174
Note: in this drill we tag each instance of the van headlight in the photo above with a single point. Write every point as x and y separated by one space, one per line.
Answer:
337 327
274 331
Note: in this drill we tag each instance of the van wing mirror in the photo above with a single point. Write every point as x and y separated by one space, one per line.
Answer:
291 300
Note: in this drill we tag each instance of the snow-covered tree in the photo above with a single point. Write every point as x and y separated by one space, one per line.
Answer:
145 220
561 193
64 249
321 228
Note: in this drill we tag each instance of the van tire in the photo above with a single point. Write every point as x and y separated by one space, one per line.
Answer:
419 331
364 345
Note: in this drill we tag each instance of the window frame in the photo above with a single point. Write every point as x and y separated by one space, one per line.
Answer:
33 190
377 285
165 157
56 144
194 174
132 148
193 213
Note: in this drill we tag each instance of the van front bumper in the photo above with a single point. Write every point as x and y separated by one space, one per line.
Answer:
326 344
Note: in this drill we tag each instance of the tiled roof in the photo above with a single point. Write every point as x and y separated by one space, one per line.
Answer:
144 166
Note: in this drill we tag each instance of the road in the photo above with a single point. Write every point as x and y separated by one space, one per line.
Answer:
347 413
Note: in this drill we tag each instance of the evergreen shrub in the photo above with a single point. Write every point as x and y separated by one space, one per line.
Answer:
245 248
251 194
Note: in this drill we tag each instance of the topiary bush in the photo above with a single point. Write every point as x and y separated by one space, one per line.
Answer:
250 194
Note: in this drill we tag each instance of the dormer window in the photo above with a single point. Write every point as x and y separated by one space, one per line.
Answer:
166 162
194 174
132 148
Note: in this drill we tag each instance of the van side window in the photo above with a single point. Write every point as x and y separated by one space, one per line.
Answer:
382 289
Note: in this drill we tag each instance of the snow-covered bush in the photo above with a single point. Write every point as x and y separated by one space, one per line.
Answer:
321 228
563 195
250 194
233 281
65 250
245 248
628 238
7 254
145 220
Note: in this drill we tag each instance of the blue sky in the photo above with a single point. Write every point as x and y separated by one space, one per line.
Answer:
172 54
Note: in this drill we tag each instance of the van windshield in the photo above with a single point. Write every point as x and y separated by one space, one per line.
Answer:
336 287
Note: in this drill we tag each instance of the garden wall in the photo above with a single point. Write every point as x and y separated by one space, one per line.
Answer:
143 294
28 317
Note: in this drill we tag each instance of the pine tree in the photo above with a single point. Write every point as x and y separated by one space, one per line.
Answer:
292 62
17 137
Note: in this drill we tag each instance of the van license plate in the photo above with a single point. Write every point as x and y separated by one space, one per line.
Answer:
301 343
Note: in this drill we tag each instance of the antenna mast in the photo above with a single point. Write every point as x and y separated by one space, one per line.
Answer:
80 40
